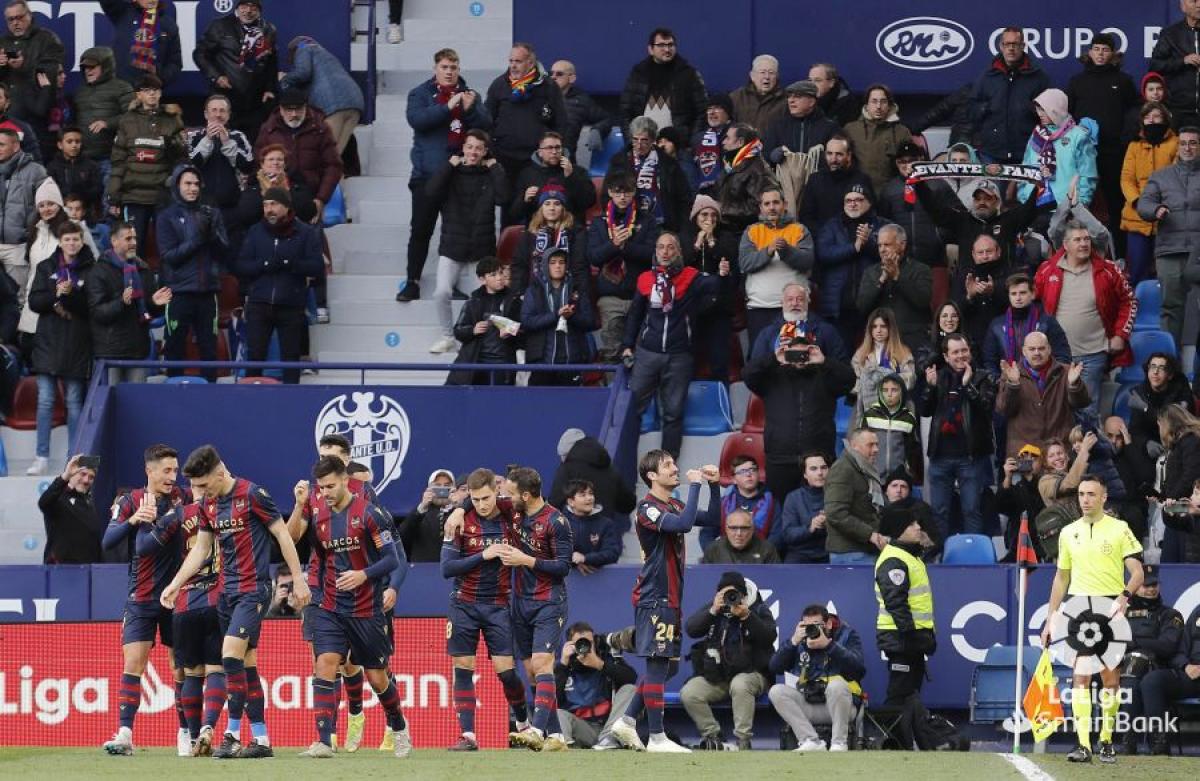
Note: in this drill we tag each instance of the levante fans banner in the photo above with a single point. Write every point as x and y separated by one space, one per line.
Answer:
931 47
59 685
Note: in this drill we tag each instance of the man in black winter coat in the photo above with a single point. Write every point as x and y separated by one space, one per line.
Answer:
1176 56
985 216
1002 100
826 189
523 104
72 526
550 163
581 108
664 87
800 128
587 459
238 56
421 530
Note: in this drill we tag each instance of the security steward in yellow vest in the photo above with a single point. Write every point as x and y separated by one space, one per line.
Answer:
904 627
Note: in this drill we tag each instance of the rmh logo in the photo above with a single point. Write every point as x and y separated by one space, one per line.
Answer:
924 43
378 430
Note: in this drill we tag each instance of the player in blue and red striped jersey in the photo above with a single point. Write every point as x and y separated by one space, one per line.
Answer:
662 522
196 625
308 506
133 516
242 518
479 603
540 557
354 541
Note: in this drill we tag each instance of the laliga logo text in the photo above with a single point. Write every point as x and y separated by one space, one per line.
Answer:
378 430
51 699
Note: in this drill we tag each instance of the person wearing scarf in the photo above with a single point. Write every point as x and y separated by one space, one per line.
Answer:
1007 331
523 103
556 318
1065 151
706 145
1038 395
237 54
145 39
745 177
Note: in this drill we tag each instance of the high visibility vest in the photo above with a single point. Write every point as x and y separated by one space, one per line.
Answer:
920 597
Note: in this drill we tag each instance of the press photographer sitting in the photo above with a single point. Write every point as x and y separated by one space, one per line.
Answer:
594 688
731 661
826 657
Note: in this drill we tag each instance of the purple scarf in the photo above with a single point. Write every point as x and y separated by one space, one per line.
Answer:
130 278
1015 333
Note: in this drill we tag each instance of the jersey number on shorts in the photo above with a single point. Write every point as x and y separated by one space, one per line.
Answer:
664 632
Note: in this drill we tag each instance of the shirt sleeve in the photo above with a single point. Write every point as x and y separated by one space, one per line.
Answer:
263 506
1129 543
1064 551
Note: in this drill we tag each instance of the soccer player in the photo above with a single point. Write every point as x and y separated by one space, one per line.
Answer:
243 519
196 626
354 542
135 513
309 504
540 558
1094 553
473 539
662 521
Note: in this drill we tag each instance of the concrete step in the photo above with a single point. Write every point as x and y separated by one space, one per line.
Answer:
360 188
452 9
414 313
377 263
384 337
20 448
22 547
392 161
480 47
365 288
490 27
400 81
391 132
353 237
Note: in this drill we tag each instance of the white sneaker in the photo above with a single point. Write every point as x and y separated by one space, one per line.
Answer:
838 745
661 744
404 744
607 743
317 750
395 33
625 733
183 742
355 722
810 745
39 467
121 744
447 344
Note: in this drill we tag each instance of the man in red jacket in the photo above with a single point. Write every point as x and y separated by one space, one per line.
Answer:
311 147
1092 301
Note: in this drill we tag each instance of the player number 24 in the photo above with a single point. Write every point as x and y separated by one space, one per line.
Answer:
664 632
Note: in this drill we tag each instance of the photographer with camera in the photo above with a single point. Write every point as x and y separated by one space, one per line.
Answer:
594 688
421 530
1019 494
731 660
826 656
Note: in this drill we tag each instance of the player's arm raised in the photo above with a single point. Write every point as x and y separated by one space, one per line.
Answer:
297 522
191 565
678 524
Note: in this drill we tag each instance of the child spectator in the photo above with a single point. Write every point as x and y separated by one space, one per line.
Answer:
74 173
893 422
557 318
100 233
597 543
487 327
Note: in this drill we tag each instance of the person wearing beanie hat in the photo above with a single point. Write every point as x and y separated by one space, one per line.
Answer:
760 100
711 247
552 226
550 166
238 56
705 148
720 100
552 192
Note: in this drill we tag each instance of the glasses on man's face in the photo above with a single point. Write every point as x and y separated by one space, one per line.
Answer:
15 17
739 529
746 470
555 148
1195 142
1156 367
664 44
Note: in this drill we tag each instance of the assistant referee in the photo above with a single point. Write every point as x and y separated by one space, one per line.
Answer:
1093 554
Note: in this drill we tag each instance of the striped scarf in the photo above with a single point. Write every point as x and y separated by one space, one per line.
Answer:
1015 332
614 270
747 152
145 55
520 86
130 278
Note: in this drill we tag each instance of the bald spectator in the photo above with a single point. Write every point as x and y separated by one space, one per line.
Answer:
1038 396
581 109
760 101
823 194
833 93
523 104
664 87
980 287
801 127
738 544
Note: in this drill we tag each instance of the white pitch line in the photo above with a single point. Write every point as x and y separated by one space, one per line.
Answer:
1026 767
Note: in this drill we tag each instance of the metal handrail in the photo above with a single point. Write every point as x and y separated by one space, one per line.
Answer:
372 78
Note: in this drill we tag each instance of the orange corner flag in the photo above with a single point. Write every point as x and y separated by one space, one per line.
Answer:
1042 704
1026 556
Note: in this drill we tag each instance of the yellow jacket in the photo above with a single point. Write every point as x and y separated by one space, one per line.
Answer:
1142 159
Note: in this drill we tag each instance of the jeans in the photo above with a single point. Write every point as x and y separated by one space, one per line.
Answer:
855 557
668 375
424 218
1139 257
47 391
582 733
1095 366
1174 293
451 274
697 694
289 322
972 476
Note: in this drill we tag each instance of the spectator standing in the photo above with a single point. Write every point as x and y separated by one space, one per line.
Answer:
877 134
148 146
467 191
21 179
1165 385
800 534
882 353
963 224
69 515
846 245
1091 299
1155 147
664 87
74 173
928 247
948 320
1065 150
238 56
825 190
853 496
100 100
1038 396
1007 331
145 39
980 286
890 416
312 151
738 544
62 347
801 127
582 110
193 245
331 90
774 252
659 332
712 248
748 494
736 638
1002 101
276 259
594 688
833 93
483 329
1134 466
123 296
745 178
1018 494
1165 202
760 101
671 142
556 318
523 104
706 143
897 495
662 188
273 171
953 110
223 156
596 540
799 367
1180 432
551 227
960 400
1176 56
550 164
421 530
440 112
899 283
586 459
29 75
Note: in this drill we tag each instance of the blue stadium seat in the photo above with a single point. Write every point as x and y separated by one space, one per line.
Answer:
1121 402
335 210
969 549
707 411
1149 298
1144 343
844 421
186 380
613 146
650 419
992 682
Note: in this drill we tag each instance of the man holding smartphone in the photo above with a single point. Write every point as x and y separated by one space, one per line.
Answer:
421 530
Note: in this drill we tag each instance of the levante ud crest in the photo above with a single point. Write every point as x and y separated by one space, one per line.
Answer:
378 430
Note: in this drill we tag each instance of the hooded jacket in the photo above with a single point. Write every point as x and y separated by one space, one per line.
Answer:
588 460
467 196
126 18
898 430
430 122
1177 187
518 123
148 146
1142 160
192 240
893 580
1175 42
118 329
798 134
793 536
1035 416
18 201
62 347
105 100
544 343
619 267
595 536
687 94
311 150
1105 93
277 261
219 53
1002 107
1074 152
875 142
531 247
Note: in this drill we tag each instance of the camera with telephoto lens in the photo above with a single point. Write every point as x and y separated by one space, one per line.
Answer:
583 646
619 641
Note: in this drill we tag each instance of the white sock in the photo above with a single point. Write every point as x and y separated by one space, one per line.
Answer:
469 736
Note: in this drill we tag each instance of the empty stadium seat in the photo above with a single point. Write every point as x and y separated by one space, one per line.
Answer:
24 406
1149 298
707 412
613 146
969 549
258 381
650 420
596 209
1144 343
738 444
193 352
756 416
335 210
993 683
185 379
507 245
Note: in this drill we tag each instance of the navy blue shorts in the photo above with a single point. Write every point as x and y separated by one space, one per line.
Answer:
306 622
242 614
367 640
657 631
197 637
464 622
142 621
537 626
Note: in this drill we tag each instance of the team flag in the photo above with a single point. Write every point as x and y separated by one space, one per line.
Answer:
1043 707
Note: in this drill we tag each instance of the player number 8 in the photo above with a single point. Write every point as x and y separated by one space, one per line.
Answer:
449 629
